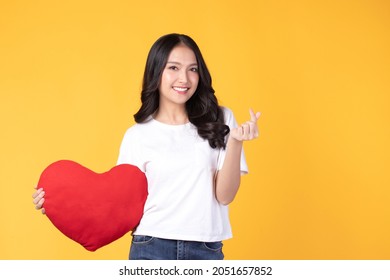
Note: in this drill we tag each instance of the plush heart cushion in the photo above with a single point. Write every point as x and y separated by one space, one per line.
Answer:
93 209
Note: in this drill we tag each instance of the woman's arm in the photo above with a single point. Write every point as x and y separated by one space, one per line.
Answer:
228 178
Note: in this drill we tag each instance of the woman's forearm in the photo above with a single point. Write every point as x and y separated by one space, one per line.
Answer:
228 178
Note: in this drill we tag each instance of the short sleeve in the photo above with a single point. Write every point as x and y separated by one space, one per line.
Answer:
129 152
232 123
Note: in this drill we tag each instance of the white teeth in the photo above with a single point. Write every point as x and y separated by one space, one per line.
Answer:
180 89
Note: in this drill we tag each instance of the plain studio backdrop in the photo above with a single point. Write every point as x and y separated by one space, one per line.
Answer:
318 188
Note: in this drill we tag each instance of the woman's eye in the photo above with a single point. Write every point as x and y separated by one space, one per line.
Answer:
194 69
173 67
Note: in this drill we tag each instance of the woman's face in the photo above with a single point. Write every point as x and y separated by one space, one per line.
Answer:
180 76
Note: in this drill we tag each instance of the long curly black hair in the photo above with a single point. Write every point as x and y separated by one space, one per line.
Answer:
202 108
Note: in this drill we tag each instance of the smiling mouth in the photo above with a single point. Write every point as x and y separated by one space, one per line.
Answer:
181 89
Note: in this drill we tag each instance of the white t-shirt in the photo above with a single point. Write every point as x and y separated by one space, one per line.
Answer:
180 167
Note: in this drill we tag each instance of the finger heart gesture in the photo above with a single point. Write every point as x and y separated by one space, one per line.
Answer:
248 130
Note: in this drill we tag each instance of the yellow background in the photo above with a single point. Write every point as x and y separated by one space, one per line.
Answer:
70 77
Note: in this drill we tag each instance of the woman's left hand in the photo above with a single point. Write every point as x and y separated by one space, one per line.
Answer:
248 130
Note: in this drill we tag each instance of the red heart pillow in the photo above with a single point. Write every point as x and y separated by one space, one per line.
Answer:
90 208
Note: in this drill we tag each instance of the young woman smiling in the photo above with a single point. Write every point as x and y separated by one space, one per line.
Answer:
191 150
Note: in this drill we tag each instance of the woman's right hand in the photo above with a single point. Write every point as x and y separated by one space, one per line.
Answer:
38 199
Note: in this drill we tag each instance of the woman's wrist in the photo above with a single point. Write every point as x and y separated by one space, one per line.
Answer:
233 141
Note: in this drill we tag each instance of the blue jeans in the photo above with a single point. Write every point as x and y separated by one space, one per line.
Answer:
153 248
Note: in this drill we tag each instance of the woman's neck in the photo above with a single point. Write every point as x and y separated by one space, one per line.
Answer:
173 115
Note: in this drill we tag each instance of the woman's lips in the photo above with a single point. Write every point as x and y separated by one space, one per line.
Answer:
181 89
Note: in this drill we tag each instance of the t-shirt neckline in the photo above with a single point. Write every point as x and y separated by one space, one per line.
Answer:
170 125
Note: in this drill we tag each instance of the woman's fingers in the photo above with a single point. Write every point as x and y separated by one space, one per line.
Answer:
245 131
248 130
39 204
37 192
254 117
38 197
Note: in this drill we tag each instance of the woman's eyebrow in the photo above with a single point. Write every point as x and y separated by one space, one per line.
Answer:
178 63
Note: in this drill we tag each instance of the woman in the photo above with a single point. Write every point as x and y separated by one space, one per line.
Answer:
190 149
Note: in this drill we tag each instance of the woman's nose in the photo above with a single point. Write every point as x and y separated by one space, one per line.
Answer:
183 76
